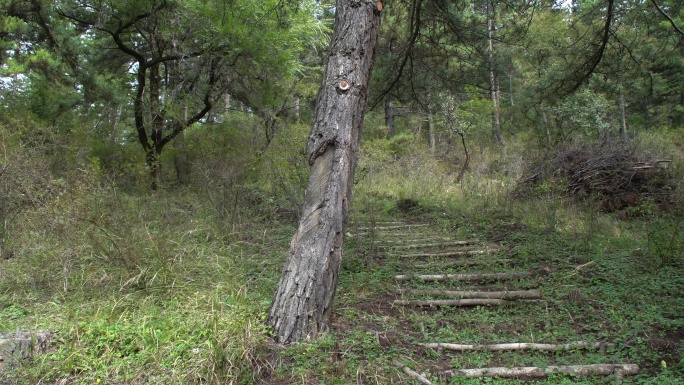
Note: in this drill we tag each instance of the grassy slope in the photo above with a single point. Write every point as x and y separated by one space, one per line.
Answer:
168 292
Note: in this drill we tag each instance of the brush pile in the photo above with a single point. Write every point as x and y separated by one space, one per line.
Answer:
615 174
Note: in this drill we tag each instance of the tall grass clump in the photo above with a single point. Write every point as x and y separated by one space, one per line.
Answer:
400 168
403 168
138 287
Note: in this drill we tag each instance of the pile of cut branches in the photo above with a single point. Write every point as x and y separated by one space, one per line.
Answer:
616 174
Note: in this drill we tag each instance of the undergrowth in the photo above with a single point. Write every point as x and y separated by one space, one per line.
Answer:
173 287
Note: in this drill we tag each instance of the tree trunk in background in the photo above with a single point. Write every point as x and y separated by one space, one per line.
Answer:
431 133
302 304
297 102
419 124
157 127
226 104
545 123
647 114
670 110
180 158
511 114
493 77
389 117
623 126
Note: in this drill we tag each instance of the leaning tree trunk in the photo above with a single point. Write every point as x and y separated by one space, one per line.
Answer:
302 306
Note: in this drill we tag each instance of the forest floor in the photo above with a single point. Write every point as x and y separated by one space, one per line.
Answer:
168 297
597 288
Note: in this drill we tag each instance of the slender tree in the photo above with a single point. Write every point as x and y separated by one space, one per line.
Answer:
302 305
184 56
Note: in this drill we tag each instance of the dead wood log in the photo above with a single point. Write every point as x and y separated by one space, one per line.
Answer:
465 277
537 372
520 294
455 302
521 346
22 345
451 253
416 376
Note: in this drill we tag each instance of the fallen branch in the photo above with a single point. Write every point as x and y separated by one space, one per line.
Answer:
465 277
536 372
426 245
454 302
521 346
451 253
521 294
418 377
23 345
580 267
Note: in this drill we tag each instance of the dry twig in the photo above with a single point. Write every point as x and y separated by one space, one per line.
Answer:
416 376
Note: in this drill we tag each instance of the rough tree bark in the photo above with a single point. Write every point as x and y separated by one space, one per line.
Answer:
302 305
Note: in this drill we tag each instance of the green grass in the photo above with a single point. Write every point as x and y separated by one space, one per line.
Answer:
167 289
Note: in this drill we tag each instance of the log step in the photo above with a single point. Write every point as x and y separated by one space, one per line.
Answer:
392 227
456 302
537 372
459 253
519 294
430 245
601 346
465 277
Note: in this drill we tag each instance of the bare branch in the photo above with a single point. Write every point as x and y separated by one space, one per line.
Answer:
665 15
